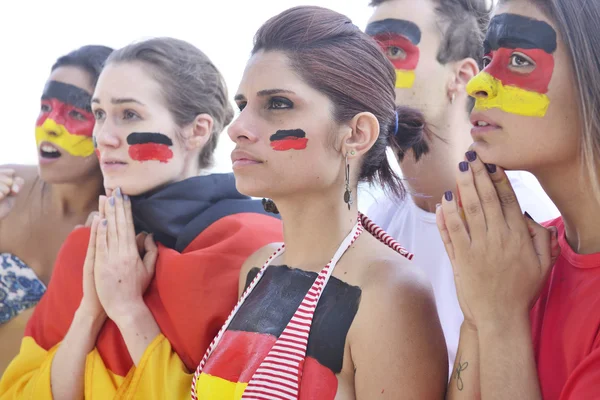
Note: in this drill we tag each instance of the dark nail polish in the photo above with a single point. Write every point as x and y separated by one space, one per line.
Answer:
463 166
126 197
528 216
118 192
104 222
448 195
111 201
491 168
471 156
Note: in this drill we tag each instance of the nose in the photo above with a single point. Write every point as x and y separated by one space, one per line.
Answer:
52 128
241 130
57 116
106 135
483 86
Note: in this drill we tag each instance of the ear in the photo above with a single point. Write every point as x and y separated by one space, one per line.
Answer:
463 71
199 132
364 132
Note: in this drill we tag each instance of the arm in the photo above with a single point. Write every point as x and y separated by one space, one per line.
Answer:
397 344
464 382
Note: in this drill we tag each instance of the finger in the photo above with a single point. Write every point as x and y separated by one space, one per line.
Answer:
101 242
4 191
441 224
470 200
91 217
554 245
101 206
151 254
129 216
113 238
139 242
121 222
17 185
109 192
455 225
90 256
7 172
488 198
541 241
6 180
508 200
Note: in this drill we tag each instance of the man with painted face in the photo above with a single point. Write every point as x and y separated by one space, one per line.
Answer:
435 46
41 205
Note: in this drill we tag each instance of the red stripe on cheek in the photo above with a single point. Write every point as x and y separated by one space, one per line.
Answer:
537 80
150 152
97 154
289 143
388 40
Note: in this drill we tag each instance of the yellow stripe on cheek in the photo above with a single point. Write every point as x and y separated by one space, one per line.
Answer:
210 387
76 145
404 78
511 99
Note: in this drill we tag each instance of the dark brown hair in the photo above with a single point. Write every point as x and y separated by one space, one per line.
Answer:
91 58
190 82
336 58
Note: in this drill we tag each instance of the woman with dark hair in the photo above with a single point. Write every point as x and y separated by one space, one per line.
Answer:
334 313
135 300
530 294
40 205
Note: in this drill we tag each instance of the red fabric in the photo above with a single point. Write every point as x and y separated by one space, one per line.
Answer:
566 326
190 296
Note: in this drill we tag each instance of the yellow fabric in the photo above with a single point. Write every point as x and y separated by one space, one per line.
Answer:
210 387
160 375
404 78
511 99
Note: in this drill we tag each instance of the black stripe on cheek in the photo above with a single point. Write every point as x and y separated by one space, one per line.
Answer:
282 134
68 94
148 137
514 31
402 27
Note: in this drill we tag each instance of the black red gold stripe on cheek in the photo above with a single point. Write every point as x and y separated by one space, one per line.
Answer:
68 94
391 26
148 146
513 31
292 139
388 41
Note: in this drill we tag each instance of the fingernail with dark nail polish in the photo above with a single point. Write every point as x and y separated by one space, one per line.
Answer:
111 201
448 195
491 168
118 192
104 222
471 155
528 216
463 166
126 197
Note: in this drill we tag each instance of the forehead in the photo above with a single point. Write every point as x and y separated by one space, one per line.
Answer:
128 80
74 76
419 12
268 70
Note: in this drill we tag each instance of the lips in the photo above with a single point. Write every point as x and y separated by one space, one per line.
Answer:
48 150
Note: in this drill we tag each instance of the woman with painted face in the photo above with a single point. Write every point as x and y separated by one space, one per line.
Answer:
536 109
135 300
42 204
333 313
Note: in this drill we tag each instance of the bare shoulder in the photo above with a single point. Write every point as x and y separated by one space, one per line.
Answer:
257 259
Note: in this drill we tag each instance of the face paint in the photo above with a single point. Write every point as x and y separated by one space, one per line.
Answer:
145 146
520 51
398 39
66 119
293 139
261 320
95 142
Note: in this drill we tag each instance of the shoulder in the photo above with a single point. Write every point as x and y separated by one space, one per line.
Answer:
257 260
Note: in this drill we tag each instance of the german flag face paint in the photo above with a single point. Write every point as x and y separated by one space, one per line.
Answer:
398 39
145 146
66 119
261 320
293 139
519 65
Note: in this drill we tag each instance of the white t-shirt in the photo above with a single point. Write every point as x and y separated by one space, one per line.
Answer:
416 230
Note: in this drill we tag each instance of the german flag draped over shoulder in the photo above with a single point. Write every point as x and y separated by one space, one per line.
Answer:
205 230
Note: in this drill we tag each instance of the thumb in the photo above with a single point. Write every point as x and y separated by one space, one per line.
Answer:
151 253
540 237
18 183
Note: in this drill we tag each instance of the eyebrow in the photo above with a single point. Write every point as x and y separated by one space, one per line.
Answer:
514 31
119 100
263 93
408 29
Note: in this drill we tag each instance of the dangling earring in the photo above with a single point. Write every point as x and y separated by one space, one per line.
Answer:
452 98
348 193
269 206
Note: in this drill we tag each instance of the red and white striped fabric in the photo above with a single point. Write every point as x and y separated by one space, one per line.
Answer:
278 375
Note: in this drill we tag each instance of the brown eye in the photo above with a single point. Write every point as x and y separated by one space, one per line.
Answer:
395 53
487 60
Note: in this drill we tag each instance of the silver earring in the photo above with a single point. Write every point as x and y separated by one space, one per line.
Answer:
348 193
452 98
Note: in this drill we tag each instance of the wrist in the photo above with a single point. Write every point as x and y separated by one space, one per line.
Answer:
517 324
132 314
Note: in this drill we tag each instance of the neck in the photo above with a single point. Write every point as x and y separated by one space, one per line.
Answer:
314 226
578 206
434 173
79 198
